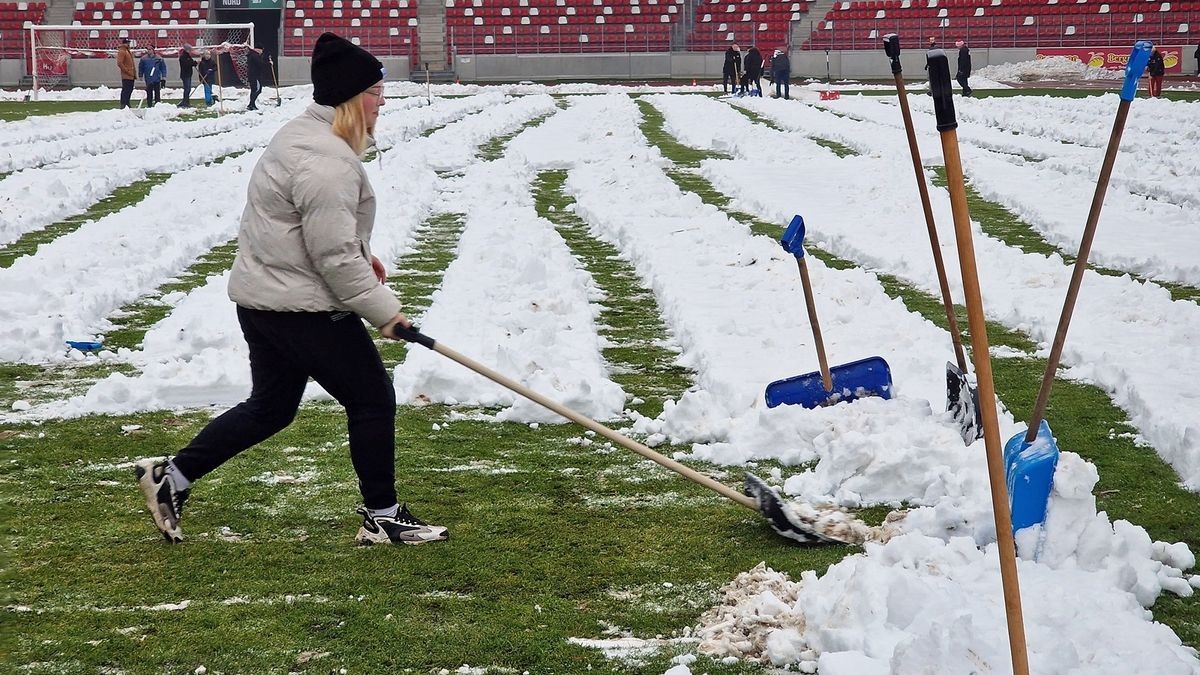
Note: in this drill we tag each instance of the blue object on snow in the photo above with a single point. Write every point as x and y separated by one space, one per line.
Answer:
866 377
1029 473
85 346
1134 68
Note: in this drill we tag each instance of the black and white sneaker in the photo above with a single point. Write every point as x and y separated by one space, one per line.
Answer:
404 528
163 500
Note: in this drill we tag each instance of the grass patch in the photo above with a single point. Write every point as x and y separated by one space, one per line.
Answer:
838 149
629 317
682 155
419 273
133 320
494 148
1004 225
123 196
1135 484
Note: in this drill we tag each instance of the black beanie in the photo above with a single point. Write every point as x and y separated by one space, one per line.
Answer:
341 70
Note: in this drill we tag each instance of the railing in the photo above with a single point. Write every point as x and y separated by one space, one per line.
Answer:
1045 30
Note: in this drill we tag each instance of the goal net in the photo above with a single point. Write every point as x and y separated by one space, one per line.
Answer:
54 47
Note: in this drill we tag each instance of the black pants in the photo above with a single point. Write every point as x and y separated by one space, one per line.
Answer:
286 348
783 79
729 77
962 82
187 91
126 92
153 93
255 90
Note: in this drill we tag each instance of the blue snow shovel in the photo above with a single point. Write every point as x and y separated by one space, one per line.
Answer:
866 377
1031 456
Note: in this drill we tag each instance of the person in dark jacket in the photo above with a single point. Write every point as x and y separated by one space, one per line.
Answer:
255 67
153 70
208 75
1197 55
732 70
964 67
1156 68
754 70
304 281
186 65
781 72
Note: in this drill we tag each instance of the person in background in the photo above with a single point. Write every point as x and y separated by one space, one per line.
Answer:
128 71
781 69
186 64
152 70
754 70
304 281
731 71
932 42
1197 55
1156 68
255 65
964 67
208 75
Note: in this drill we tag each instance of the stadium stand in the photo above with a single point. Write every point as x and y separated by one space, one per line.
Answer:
1007 23
384 27
14 41
550 26
720 23
148 12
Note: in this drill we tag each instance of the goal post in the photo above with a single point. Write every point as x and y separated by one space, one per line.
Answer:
52 47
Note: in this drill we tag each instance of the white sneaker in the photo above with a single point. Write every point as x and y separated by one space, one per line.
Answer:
163 500
403 528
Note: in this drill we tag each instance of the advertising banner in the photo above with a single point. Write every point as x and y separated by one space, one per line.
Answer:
1113 58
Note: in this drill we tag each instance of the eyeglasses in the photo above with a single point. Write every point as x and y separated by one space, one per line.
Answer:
376 91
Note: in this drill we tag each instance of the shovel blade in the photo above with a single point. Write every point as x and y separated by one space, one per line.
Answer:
962 401
785 524
1029 473
867 377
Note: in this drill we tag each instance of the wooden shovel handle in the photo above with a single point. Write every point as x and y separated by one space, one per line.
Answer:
987 403
588 423
811 303
939 265
1081 263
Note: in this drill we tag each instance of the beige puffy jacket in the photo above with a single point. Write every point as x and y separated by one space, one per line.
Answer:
303 245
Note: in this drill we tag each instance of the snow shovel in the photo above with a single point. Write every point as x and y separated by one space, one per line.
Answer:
866 377
1032 455
770 506
962 399
943 109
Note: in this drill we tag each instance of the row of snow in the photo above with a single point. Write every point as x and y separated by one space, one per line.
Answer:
516 299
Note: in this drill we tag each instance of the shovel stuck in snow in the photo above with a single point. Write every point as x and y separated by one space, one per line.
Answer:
1031 456
962 399
866 377
764 500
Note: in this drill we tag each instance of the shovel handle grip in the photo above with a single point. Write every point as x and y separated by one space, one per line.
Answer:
891 47
413 334
940 88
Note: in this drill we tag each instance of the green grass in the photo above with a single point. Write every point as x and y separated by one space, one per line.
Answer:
630 318
838 149
1004 225
682 155
494 147
1135 484
123 196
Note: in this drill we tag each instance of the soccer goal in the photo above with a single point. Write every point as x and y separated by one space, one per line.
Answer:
53 47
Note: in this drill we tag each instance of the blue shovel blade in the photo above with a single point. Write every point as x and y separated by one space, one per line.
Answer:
867 377
1029 473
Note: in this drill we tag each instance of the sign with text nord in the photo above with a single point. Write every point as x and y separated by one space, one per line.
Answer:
249 4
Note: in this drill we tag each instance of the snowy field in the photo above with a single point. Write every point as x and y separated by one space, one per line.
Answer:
729 299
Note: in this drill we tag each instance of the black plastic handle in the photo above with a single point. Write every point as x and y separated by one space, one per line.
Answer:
939 87
413 334
891 47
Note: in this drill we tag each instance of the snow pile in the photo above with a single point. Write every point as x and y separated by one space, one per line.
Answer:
1049 68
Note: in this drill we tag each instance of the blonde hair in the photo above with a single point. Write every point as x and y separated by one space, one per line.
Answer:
350 125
